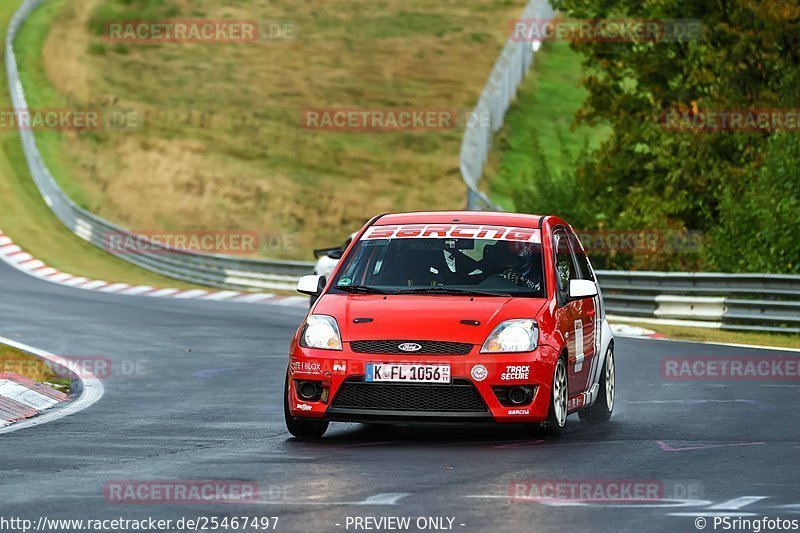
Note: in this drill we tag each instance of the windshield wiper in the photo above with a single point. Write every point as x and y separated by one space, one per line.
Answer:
361 289
450 290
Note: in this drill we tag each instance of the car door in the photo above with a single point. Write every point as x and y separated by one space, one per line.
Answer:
569 319
587 315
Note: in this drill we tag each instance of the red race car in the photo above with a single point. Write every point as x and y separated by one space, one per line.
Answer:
444 317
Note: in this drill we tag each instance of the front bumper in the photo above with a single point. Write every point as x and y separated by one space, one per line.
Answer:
475 394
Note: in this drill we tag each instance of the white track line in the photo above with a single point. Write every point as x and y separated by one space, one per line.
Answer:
732 345
252 298
92 390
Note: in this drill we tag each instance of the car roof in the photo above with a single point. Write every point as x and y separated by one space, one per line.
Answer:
493 218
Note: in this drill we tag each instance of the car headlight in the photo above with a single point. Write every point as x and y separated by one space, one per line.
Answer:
517 335
321 331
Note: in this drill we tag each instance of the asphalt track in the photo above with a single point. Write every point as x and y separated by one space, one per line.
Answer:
205 404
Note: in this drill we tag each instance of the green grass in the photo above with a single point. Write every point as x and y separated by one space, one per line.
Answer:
24 364
544 111
26 218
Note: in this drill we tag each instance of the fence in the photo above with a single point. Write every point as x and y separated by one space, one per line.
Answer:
488 116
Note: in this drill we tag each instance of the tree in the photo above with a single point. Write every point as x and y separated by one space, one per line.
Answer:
648 176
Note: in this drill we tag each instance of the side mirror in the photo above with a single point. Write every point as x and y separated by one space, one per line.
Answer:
333 253
582 288
311 285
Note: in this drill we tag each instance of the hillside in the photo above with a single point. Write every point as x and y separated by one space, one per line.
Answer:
217 140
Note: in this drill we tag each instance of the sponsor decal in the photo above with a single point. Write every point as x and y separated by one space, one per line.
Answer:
306 366
340 367
410 347
575 403
454 231
515 372
579 355
479 372
303 407
519 411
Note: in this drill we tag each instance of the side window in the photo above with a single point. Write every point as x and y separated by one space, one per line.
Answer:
584 269
565 267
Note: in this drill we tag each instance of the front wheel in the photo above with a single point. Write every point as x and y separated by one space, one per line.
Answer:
300 428
557 415
604 406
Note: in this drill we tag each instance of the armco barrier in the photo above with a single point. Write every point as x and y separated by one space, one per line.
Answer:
761 302
205 269
488 116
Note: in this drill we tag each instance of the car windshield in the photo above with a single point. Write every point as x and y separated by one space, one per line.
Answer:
439 265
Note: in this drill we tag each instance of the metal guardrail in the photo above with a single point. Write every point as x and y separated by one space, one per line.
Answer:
756 302
206 269
488 116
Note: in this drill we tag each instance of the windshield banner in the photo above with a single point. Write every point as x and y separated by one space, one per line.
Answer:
453 231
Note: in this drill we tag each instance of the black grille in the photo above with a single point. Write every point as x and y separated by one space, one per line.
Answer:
428 347
460 396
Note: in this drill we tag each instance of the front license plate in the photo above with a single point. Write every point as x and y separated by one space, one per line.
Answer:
406 372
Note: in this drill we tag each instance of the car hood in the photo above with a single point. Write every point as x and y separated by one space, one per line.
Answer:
418 317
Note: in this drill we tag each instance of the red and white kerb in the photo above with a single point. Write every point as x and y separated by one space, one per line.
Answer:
453 231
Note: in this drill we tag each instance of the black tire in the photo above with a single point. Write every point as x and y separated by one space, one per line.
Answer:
604 405
559 397
300 428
